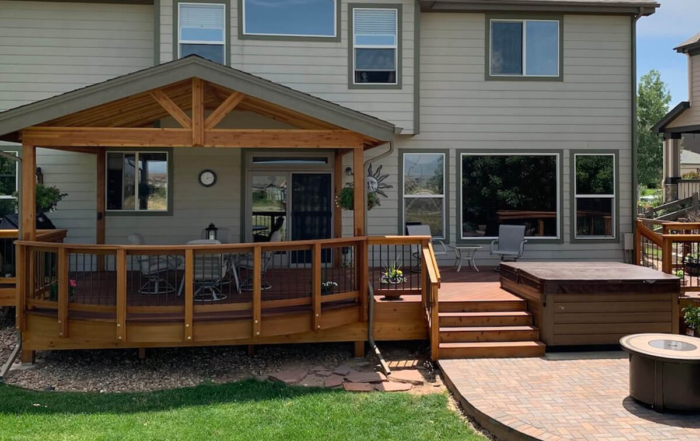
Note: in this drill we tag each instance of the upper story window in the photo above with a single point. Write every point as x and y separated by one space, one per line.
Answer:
138 181
202 30
524 48
290 18
375 51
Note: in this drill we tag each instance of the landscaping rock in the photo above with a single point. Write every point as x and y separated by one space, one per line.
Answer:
334 381
358 387
343 370
292 376
365 377
312 381
410 376
324 373
392 387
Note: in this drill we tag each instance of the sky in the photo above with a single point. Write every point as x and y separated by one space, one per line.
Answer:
673 23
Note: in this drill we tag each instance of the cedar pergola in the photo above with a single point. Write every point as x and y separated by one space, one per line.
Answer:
198 95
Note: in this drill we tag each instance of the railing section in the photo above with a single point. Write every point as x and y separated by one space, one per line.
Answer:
184 284
8 250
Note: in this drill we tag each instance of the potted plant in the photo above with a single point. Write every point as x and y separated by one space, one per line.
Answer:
328 286
346 199
691 316
392 275
691 265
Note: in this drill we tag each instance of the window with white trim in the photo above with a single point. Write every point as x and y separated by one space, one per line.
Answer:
424 191
137 181
290 18
594 193
8 177
524 48
375 46
202 31
510 189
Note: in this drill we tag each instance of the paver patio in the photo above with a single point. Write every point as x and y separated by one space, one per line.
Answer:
581 396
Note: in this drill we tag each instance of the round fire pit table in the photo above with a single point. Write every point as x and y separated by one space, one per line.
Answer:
664 370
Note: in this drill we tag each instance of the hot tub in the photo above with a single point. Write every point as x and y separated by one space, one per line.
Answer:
664 370
594 303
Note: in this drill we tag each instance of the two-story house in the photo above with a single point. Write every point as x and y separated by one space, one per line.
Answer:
506 111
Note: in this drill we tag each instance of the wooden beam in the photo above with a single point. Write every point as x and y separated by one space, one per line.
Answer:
316 286
337 211
63 291
173 109
197 112
358 170
152 137
28 191
224 109
76 150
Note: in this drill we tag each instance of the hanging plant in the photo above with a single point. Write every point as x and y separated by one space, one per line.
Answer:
47 198
346 199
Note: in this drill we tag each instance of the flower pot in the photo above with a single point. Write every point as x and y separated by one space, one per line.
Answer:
692 268
392 295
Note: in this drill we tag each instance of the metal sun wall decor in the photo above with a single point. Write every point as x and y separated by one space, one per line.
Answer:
375 182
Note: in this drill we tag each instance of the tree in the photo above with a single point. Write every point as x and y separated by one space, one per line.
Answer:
652 104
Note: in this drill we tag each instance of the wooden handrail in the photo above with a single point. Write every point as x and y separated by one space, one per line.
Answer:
649 234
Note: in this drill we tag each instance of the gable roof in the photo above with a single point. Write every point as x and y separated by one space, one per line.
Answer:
660 126
193 66
689 44
643 7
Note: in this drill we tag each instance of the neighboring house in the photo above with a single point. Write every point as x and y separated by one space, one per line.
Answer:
682 122
501 104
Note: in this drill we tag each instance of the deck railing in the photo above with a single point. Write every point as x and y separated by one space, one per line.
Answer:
145 290
671 247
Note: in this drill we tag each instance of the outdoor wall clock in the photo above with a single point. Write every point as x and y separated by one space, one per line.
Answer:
207 178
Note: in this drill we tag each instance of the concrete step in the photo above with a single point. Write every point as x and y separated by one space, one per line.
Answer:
488 318
488 333
483 305
492 349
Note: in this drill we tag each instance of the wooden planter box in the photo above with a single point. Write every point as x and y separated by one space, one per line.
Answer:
584 303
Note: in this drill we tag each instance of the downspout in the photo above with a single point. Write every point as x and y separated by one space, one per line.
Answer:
370 291
635 177
18 348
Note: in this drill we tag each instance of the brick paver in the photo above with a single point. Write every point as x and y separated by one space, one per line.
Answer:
571 399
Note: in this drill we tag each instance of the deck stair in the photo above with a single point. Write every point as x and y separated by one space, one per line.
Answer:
495 328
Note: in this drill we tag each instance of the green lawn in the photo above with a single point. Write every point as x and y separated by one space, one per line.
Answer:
248 410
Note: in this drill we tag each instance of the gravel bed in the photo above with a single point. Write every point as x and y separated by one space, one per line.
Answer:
8 335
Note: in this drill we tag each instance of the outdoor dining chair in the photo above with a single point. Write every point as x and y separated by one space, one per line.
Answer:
423 230
154 268
511 243
209 273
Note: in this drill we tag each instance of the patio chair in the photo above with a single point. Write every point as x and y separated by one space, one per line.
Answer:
210 270
511 243
153 268
423 230
265 261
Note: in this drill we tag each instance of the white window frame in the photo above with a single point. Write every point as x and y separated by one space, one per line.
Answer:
443 196
9 196
395 46
613 214
513 153
335 26
524 48
180 41
137 179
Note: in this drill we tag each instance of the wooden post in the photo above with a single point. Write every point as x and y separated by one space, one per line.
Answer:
316 293
359 351
637 245
257 290
121 295
667 255
337 211
197 112
359 191
101 201
189 294
62 280
362 268
28 191
21 265
435 325
142 353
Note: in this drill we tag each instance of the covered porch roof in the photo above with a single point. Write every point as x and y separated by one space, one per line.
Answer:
141 99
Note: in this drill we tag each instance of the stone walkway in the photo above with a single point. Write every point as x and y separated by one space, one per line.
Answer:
560 397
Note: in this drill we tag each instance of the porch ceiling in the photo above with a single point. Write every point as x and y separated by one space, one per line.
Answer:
140 99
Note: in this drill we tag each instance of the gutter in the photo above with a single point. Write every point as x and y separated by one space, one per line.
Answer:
18 348
635 174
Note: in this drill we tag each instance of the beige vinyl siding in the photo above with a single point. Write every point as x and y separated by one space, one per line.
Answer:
590 110
48 48
319 68
691 117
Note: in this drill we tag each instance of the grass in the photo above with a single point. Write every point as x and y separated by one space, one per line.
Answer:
247 410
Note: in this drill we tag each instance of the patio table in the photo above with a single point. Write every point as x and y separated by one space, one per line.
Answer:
463 253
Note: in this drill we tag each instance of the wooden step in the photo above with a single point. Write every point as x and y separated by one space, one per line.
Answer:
483 305
489 318
489 333
492 349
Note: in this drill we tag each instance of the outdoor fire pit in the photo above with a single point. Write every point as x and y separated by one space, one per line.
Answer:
664 370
